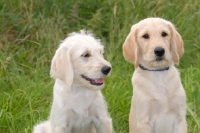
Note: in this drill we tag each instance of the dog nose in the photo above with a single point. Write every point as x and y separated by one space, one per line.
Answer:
105 70
159 51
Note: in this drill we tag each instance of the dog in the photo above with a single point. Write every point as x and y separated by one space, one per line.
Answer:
79 69
159 101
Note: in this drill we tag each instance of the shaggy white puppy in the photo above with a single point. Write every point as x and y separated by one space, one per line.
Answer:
79 70
159 101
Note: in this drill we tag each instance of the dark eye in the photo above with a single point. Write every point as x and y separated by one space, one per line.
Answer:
86 55
164 34
146 36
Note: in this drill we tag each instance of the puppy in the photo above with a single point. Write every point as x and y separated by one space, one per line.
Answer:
159 101
79 70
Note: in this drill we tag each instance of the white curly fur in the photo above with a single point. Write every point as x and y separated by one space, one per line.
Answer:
78 105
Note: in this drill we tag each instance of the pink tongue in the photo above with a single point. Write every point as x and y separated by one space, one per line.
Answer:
101 80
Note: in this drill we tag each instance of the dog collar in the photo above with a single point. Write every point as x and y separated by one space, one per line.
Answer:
159 69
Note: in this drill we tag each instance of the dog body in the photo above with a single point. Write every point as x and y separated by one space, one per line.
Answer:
159 101
78 105
78 111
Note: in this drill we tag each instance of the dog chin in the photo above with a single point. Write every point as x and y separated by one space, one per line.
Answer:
93 87
96 88
158 63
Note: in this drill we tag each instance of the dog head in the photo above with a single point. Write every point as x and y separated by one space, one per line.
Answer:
154 43
79 61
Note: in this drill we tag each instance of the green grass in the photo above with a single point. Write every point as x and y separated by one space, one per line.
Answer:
30 32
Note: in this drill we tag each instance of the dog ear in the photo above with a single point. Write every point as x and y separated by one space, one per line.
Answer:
61 66
131 48
176 44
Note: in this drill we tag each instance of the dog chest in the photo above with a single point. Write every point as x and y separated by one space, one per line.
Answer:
77 110
165 113
82 125
158 100
164 123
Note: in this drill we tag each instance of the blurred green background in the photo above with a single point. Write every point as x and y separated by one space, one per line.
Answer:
31 30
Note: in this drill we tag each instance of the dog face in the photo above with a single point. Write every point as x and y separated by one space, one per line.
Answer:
79 60
154 43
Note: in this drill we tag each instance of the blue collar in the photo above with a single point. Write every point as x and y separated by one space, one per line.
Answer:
159 69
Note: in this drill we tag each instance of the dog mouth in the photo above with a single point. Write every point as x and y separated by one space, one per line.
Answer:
98 81
159 58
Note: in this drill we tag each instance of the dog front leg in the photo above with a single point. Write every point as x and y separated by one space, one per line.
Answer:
141 116
132 119
103 125
60 122
143 123
143 128
182 126
62 130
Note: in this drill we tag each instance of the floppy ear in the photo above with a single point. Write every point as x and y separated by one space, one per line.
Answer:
131 48
61 66
176 44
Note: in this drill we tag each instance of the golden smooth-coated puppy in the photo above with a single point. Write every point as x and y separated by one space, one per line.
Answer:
79 69
159 101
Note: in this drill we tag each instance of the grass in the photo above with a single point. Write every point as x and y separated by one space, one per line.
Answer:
31 31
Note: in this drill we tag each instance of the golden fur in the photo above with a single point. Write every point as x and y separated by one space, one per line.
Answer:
159 101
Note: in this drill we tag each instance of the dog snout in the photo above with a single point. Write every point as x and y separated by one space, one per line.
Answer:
106 69
159 51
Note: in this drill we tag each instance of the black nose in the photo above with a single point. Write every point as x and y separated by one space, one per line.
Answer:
159 51
105 70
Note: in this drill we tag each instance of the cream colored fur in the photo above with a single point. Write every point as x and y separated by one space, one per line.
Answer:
159 101
78 106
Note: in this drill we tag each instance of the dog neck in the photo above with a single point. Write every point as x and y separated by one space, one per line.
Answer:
159 69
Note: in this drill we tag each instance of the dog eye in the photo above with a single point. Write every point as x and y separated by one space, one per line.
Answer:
164 34
146 36
86 55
